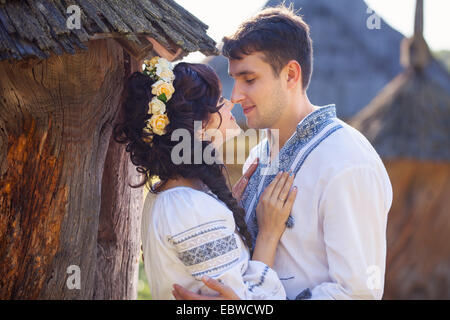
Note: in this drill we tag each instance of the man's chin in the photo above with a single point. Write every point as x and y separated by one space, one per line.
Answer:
249 123
252 124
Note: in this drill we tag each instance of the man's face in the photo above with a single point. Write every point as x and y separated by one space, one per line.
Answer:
261 94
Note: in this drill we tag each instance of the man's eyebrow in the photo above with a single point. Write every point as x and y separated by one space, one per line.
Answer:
240 74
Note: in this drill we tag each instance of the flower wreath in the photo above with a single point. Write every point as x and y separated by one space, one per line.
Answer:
160 70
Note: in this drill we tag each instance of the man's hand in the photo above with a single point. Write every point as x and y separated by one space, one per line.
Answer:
241 184
226 293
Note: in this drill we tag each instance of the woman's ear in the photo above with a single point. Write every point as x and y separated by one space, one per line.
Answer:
200 131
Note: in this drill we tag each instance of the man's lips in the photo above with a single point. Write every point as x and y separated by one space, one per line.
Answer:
248 109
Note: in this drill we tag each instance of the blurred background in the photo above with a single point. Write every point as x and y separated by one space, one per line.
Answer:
386 66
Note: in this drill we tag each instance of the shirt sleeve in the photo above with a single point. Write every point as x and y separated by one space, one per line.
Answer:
200 232
354 210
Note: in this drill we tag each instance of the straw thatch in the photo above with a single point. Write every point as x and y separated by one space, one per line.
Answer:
409 125
410 118
36 28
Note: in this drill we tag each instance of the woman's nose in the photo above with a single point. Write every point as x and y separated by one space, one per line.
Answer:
228 105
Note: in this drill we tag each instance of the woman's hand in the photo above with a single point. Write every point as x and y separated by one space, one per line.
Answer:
272 212
225 292
275 205
241 184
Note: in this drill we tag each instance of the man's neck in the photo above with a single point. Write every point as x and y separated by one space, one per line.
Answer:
288 122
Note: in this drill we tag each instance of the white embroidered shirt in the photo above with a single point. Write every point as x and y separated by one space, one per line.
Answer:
186 234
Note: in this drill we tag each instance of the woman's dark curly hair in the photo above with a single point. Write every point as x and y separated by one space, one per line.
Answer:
197 93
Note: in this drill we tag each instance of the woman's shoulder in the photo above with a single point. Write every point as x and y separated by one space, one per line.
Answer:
182 208
187 198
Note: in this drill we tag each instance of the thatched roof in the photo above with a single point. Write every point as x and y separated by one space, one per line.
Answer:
36 28
410 118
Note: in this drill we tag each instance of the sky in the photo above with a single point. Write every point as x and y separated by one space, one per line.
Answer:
222 18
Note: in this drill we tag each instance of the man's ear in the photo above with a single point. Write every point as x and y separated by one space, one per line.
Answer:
294 74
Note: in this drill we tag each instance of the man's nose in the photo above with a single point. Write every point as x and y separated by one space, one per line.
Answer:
236 95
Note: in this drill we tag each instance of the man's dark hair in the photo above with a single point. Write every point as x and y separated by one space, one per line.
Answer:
279 34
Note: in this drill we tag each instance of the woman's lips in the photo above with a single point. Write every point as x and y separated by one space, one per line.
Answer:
248 109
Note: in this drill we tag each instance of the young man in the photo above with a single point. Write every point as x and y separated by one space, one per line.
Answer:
335 243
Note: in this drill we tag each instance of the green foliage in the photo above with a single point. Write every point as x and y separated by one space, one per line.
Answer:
143 288
162 97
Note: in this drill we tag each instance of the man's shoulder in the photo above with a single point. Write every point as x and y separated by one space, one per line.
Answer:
345 148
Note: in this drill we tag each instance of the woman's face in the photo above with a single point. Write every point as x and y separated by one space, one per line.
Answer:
228 129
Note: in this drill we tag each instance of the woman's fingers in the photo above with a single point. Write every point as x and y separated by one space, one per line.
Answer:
241 184
225 292
251 169
290 201
283 195
269 189
181 293
279 187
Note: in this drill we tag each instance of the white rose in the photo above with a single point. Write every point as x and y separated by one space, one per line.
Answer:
156 106
165 74
164 64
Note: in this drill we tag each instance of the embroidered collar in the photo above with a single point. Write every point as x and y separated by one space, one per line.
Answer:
308 127
305 128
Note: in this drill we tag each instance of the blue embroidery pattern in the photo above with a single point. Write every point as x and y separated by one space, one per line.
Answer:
199 274
314 145
196 227
206 248
304 295
208 251
261 279
306 130
289 278
198 234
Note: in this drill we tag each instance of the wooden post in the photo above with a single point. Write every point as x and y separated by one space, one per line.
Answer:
56 120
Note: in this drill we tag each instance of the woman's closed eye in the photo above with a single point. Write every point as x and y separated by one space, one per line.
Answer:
250 80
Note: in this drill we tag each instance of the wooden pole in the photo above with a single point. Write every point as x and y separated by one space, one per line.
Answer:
56 120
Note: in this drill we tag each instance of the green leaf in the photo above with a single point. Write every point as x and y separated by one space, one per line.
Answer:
162 97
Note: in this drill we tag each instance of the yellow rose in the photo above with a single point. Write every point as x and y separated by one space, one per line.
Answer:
153 62
161 87
159 123
156 106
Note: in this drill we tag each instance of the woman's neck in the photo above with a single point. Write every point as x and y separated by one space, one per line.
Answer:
196 184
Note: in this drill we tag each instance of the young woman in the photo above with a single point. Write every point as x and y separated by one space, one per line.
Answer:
192 226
